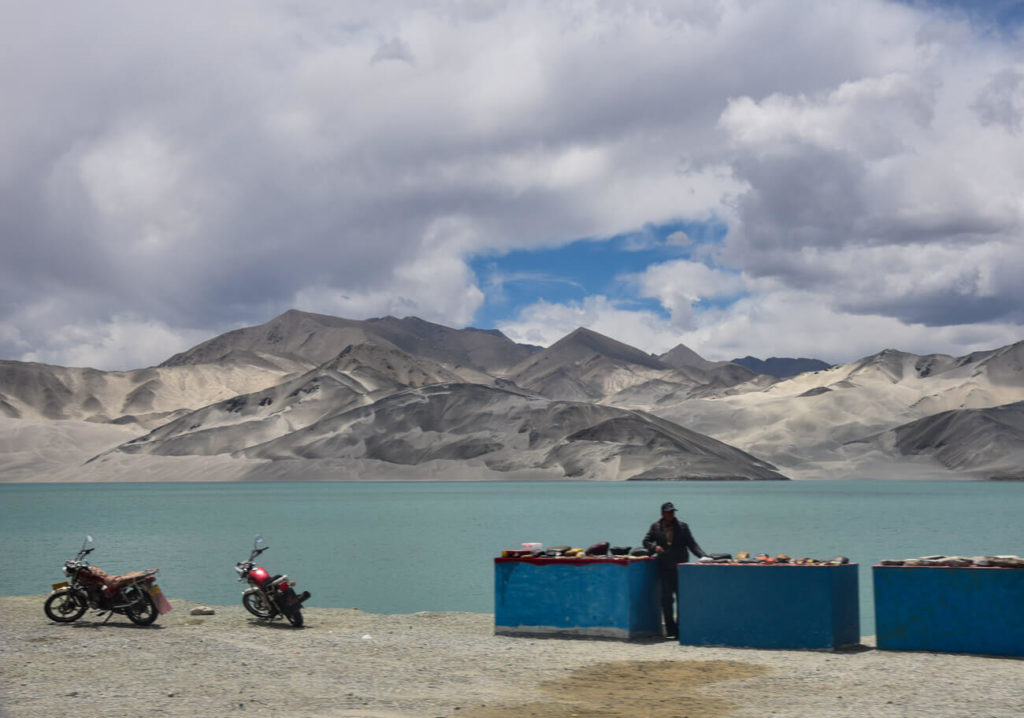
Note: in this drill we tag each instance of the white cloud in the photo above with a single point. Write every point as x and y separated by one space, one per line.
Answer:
1001 101
873 117
679 286
770 322
209 165
544 323
124 342
437 286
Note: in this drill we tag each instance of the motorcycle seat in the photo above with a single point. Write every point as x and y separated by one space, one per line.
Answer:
115 582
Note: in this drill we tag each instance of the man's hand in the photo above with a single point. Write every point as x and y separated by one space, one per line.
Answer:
659 549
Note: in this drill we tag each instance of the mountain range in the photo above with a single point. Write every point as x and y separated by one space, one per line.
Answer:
782 367
315 397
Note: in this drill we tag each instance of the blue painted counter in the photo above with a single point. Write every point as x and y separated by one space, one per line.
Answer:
596 597
768 606
954 610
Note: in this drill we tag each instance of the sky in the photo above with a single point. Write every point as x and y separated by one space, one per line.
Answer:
804 178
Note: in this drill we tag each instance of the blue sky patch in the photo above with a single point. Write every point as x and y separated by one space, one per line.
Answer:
994 17
585 267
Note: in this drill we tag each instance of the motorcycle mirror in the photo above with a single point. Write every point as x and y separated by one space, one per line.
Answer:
257 541
86 541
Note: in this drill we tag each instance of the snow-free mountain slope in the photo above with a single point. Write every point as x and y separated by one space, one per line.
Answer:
46 450
585 366
507 431
681 356
819 417
40 391
316 338
359 375
262 388
782 367
986 441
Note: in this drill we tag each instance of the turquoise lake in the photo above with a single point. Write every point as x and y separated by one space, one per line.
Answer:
405 547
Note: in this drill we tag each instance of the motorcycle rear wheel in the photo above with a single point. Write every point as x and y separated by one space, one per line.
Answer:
257 605
64 606
294 616
142 610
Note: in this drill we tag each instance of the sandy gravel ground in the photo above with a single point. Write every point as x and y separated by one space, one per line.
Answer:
346 663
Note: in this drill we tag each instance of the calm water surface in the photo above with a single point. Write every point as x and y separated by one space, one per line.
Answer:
405 547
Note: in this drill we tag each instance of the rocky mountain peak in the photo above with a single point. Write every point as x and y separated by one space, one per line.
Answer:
583 342
681 356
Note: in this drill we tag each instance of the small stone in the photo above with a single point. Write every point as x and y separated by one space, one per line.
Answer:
202 611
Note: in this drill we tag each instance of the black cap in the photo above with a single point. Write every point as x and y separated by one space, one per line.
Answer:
667 506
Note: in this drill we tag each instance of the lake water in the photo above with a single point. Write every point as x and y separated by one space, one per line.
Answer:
405 547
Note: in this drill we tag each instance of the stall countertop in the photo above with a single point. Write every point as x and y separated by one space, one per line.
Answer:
572 560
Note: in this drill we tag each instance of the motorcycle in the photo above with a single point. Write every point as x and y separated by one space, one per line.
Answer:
269 596
134 594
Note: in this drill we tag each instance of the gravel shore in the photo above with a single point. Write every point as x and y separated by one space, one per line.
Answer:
348 664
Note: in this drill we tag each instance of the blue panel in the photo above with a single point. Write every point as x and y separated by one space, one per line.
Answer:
774 606
601 599
955 610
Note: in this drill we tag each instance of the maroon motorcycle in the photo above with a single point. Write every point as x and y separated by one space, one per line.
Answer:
269 596
134 594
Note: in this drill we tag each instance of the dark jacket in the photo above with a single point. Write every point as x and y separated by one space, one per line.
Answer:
675 553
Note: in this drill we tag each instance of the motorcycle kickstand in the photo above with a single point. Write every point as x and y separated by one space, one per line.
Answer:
109 614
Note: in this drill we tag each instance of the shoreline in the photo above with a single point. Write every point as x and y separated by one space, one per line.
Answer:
347 663
196 479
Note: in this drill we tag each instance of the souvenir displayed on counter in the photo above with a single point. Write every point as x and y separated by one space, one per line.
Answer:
599 550
743 557
1005 561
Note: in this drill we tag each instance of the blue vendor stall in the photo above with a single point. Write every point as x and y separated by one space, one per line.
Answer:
768 605
955 610
606 597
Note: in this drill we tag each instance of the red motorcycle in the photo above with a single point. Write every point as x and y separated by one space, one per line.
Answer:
134 594
269 596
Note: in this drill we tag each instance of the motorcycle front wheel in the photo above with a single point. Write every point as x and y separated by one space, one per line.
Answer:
257 605
64 606
141 611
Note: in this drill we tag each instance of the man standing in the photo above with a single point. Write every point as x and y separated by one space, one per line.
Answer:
668 540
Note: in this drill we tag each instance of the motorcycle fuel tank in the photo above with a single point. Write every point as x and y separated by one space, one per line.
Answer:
259 575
